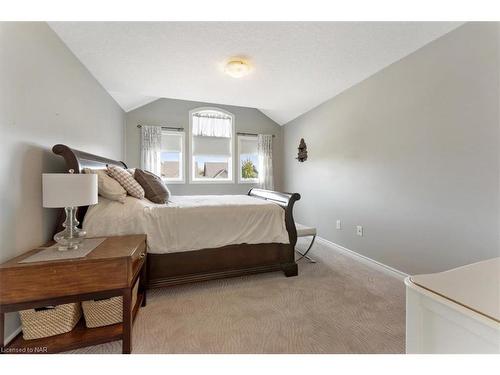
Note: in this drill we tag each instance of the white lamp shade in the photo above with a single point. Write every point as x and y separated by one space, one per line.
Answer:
69 190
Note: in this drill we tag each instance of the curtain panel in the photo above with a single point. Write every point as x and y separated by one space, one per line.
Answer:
151 149
265 153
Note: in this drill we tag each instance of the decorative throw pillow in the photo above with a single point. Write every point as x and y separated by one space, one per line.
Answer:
127 181
108 187
155 189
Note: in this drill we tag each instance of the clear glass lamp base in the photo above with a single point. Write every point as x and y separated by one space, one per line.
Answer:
71 237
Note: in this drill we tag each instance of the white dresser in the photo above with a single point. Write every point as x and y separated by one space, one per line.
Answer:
456 311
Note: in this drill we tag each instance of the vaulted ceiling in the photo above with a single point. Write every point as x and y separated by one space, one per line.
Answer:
298 65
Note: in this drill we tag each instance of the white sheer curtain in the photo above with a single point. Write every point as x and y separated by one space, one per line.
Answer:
207 125
265 152
151 149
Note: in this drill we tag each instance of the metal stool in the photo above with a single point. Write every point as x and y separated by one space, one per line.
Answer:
304 231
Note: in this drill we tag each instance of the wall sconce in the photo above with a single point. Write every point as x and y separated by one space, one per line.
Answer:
302 154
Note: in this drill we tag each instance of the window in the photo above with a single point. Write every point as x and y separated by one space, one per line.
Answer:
172 156
211 144
248 158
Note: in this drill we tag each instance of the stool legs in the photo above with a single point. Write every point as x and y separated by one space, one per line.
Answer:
304 255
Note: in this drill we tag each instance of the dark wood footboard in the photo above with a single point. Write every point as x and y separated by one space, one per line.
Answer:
285 200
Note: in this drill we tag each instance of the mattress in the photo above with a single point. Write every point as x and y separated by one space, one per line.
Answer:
190 223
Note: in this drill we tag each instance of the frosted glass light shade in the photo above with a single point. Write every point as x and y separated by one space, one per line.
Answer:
237 68
68 189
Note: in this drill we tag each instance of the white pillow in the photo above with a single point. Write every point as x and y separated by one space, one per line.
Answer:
107 186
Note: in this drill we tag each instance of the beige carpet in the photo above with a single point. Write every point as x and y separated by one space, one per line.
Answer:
336 306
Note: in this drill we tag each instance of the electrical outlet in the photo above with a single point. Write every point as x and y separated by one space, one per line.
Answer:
339 224
359 230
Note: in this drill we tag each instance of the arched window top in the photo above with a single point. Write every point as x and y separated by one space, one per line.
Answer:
212 122
212 113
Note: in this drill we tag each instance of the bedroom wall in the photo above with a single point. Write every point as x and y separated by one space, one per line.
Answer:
173 112
46 97
411 154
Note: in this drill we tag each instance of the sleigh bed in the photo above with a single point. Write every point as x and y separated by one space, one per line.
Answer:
235 259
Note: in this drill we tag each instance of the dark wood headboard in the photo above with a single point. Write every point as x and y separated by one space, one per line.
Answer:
77 160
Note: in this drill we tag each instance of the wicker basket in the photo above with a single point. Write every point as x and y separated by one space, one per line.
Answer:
104 312
49 321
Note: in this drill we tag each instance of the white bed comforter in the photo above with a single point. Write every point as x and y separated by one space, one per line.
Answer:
190 222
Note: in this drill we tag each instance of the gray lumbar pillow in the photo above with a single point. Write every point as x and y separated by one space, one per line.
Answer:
155 189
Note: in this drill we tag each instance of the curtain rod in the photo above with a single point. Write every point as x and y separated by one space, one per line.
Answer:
166 127
182 129
208 115
250 134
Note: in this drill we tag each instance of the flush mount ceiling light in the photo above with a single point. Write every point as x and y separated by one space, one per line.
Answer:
237 68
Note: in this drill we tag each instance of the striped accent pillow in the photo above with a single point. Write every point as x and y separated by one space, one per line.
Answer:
127 181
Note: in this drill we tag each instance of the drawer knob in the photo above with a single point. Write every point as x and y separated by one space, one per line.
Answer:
142 255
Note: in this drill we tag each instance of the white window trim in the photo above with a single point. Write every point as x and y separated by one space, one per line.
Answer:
192 180
240 179
182 167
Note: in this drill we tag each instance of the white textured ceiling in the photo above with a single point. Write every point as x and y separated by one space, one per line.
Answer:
298 65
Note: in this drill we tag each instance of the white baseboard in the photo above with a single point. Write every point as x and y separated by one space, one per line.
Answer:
11 337
364 259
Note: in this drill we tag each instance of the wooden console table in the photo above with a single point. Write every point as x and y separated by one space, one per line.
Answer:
110 270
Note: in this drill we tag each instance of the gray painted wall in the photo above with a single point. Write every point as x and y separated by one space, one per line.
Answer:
412 154
172 112
46 97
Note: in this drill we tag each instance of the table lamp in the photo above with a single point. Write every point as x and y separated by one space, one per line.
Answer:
69 190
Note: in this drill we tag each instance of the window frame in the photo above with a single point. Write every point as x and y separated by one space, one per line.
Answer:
238 161
182 161
192 179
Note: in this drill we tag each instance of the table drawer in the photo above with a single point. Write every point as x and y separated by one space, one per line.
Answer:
48 281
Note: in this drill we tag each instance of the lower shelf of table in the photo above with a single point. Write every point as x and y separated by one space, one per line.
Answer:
79 337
